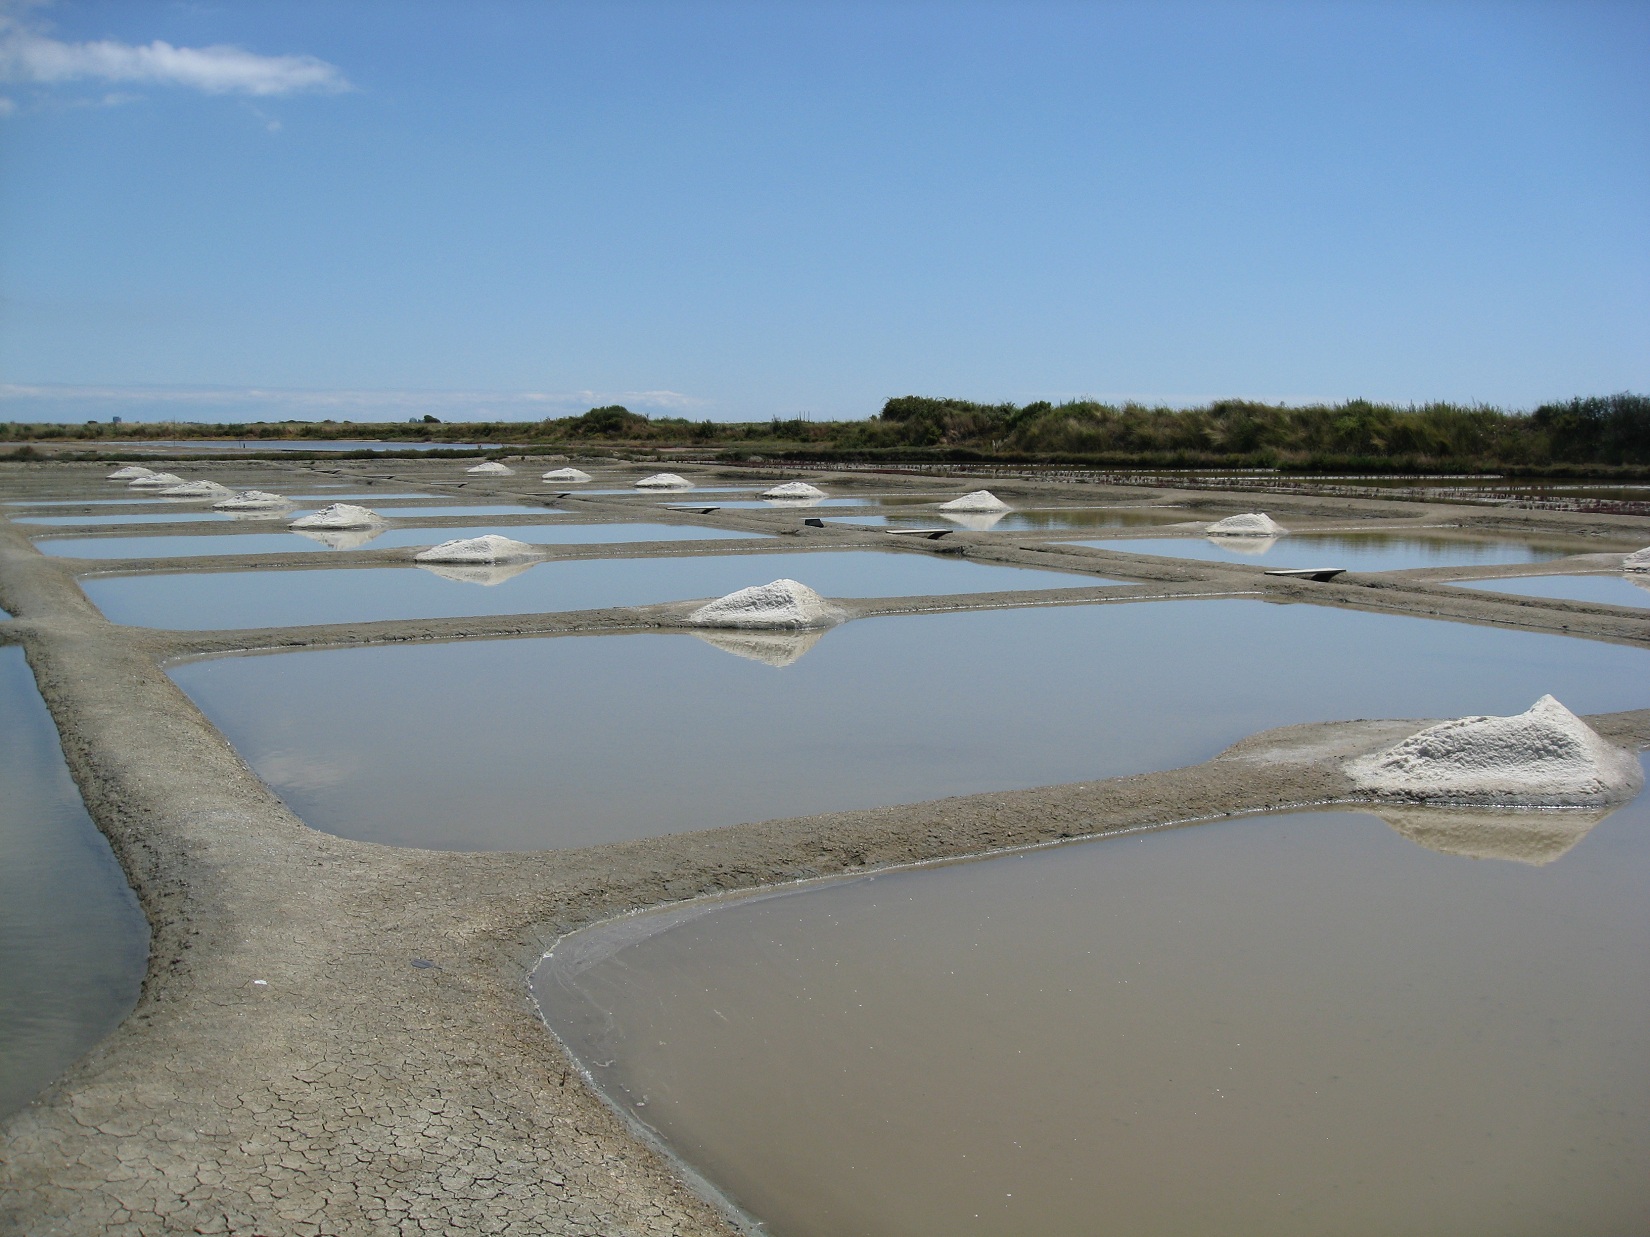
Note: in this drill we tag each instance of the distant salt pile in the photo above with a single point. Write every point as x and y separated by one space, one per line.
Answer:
1250 524
1639 560
339 515
131 473
794 489
196 489
488 549
1543 757
251 500
784 604
156 481
492 468
572 476
979 500
664 481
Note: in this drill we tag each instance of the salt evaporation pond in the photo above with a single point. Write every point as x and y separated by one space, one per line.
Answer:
1048 519
187 513
73 942
1292 1025
1611 590
537 741
295 598
186 545
1355 551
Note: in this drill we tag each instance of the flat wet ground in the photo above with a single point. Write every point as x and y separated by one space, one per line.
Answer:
1295 1024
294 598
533 743
186 546
1621 589
1355 551
73 943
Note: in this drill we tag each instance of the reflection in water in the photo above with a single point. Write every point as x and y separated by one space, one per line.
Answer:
342 538
794 502
977 521
774 648
1292 1025
1252 546
1530 835
485 574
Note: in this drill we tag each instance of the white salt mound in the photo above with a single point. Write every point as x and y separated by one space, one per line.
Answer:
250 500
572 475
489 549
782 604
492 468
196 489
979 500
1543 757
339 515
1250 524
1639 560
156 481
664 481
131 473
794 489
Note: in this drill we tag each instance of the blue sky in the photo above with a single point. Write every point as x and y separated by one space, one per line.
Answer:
739 210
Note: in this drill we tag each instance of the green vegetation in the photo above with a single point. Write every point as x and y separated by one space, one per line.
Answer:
1597 435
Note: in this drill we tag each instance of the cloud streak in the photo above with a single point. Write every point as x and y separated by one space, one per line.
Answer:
28 55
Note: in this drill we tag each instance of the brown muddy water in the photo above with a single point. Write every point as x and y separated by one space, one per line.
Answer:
73 942
1296 1024
533 744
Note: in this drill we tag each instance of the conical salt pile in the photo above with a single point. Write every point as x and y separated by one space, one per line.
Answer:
1543 757
339 515
979 500
1639 560
488 549
131 473
782 604
196 489
492 468
156 481
794 489
1250 524
571 476
664 481
251 500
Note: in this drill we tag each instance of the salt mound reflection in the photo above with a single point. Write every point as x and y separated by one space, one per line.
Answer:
1531 835
333 538
487 575
772 648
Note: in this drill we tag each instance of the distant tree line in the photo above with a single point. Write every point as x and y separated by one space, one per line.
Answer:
1592 433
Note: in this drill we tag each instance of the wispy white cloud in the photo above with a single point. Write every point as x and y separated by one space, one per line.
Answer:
28 53
50 402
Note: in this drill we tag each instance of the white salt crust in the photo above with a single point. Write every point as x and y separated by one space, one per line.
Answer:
1638 560
156 481
492 468
251 500
339 515
794 489
131 473
664 481
1543 757
491 548
571 475
196 489
979 500
783 605
1250 524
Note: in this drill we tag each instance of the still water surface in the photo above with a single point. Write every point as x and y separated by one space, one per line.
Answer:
73 943
1291 1025
1353 551
1612 590
537 743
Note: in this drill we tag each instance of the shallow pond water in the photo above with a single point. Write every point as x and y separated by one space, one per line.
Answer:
188 515
1354 551
1293 1025
1611 590
183 546
73 943
294 598
1049 519
537 741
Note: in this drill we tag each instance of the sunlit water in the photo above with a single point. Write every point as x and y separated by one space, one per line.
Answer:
1291 1025
1611 590
1352 551
1046 519
73 943
541 743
